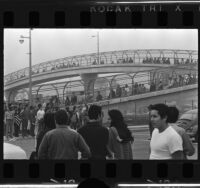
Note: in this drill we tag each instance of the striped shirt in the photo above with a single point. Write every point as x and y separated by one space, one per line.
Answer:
17 119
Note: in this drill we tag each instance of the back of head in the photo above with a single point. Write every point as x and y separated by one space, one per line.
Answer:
94 112
49 120
39 106
61 117
173 114
117 121
116 116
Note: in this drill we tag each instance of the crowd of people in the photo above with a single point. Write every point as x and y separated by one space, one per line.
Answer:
62 133
156 60
147 60
183 61
22 120
140 88
80 134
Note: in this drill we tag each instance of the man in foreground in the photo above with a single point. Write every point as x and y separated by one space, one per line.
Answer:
95 135
62 143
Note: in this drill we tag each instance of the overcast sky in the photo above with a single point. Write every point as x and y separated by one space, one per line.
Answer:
50 44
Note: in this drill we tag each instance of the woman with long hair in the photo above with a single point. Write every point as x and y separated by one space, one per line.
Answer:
120 137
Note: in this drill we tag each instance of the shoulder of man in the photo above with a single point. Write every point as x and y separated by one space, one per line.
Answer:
178 129
80 130
173 132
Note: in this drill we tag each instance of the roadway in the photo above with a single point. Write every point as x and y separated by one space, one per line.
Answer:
140 146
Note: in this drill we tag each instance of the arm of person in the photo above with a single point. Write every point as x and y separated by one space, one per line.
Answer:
43 149
110 154
188 148
83 147
119 139
177 155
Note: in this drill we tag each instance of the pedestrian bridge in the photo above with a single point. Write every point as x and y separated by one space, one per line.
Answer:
128 61
77 71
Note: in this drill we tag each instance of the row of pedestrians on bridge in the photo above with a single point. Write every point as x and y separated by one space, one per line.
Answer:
147 60
135 89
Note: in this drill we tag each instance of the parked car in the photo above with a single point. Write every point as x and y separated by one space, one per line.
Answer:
189 121
11 151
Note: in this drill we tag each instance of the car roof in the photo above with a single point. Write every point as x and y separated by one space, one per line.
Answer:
190 115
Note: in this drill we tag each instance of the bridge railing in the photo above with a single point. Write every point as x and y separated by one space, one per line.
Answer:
127 89
172 57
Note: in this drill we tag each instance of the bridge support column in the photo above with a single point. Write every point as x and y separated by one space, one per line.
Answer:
89 80
163 75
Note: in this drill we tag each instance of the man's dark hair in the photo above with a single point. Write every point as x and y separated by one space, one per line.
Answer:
61 117
163 110
39 105
172 113
94 112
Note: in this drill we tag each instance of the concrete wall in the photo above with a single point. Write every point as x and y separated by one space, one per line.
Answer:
184 97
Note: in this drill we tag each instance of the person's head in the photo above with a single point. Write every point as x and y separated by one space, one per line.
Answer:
39 106
173 114
95 112
61 117
159 115
49 120
115 116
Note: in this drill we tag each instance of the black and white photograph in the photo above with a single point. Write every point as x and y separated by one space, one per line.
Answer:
100 94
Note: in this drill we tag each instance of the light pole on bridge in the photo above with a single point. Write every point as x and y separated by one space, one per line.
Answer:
97 35
30 63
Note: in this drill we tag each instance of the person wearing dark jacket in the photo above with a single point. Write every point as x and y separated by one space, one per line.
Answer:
96 135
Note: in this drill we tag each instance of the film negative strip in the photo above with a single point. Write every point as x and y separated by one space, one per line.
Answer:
96 17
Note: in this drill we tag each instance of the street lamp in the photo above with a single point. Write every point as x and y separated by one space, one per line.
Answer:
21 40
97 46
